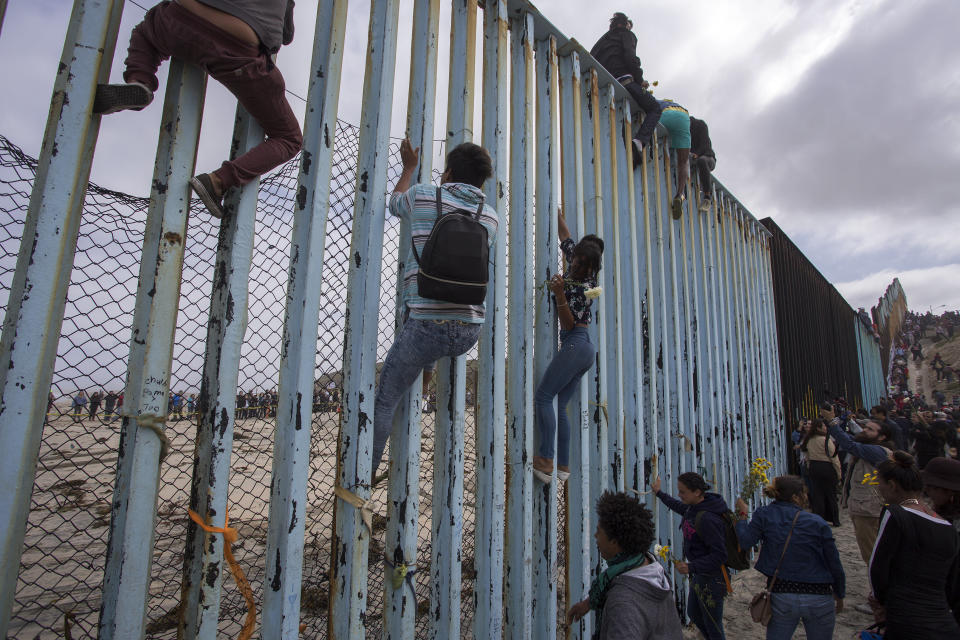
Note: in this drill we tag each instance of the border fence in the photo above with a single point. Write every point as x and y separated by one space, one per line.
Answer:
95 529
823 341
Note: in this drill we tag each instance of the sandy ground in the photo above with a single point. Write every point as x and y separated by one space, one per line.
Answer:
923 379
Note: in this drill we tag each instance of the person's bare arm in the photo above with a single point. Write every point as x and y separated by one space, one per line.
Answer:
562 230
563 308
410 158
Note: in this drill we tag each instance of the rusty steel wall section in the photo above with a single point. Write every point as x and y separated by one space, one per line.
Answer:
821 354
687 374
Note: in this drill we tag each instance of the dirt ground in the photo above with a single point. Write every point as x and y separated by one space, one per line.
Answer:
736 615
924 379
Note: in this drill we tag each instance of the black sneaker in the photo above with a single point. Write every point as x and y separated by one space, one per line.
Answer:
637 152
111 98
677 207
203 186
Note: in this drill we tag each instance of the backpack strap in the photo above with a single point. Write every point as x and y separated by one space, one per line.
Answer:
416 256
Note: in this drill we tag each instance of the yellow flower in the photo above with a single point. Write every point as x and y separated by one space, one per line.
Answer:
870 478
662 551
593 293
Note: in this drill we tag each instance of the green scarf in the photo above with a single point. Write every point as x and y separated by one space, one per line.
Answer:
620 563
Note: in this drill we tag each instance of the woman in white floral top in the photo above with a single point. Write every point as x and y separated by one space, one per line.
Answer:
576 355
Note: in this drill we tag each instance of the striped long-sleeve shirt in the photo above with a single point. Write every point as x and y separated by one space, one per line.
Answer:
419 206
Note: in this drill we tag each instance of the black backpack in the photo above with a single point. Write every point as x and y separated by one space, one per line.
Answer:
454 266
737 558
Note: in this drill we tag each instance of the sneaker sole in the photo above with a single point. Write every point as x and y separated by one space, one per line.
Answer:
206 197
112 98
545 478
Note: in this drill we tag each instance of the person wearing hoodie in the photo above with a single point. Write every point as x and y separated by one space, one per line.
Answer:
631 599
704 547
799 548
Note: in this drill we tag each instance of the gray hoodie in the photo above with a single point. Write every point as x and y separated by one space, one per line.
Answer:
640 605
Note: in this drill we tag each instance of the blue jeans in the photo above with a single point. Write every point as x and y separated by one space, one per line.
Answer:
418 344
818 613
705 604
560 381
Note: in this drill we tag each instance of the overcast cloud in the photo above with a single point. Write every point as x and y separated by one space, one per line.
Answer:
838 119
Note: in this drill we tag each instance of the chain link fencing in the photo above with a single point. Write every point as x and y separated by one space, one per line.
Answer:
62 568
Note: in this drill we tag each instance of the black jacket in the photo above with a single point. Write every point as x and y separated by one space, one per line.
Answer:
700 144
616 50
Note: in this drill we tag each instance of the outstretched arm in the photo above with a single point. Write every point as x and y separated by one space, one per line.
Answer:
562 230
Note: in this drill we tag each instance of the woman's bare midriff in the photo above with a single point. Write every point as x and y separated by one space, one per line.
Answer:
231 24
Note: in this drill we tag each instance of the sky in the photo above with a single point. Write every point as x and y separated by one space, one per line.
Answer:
837 118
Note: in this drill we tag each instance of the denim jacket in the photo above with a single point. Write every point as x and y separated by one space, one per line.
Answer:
812 554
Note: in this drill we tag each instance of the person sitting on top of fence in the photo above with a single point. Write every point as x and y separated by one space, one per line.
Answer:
677 121
616 50
445 273
233 41
573 294
703 156
632 597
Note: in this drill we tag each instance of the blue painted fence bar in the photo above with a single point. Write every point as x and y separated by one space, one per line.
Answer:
34 313
687 374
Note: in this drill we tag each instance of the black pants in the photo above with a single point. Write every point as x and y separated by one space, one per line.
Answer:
651 111
705 165
823 491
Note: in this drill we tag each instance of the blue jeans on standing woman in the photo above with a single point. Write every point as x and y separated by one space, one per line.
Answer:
818 613
418 344
560 381
705 603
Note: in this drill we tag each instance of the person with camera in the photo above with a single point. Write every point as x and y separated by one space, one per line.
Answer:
868 448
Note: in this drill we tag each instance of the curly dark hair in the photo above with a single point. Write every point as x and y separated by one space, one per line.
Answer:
625 521
470 164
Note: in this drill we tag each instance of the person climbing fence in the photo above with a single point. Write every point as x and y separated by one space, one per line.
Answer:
573 296
233 41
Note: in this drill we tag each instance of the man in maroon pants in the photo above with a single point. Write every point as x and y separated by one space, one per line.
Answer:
233 41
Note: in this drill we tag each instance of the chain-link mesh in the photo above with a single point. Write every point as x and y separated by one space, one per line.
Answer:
62 570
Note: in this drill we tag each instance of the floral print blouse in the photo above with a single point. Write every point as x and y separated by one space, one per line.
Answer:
575 292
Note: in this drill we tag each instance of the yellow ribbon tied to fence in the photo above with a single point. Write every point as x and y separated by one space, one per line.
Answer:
365 506
230 536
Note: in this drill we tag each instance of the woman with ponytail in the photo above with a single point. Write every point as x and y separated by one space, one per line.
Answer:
914 561
576 354
704 547
800 559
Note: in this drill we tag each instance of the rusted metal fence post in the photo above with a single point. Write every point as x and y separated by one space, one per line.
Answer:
518 589
545 522
35 307
403 501
348 597
291 449
143 439
203 556
491 411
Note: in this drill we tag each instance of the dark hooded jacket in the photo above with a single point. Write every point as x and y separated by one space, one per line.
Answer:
616 50
705 550
640 606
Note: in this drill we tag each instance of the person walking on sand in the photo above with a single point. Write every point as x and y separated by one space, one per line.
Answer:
234 41
800 559
704 547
